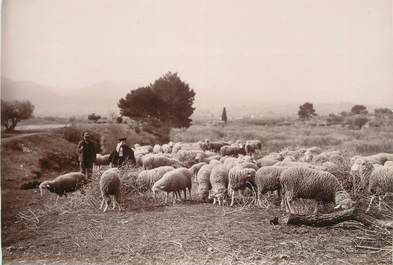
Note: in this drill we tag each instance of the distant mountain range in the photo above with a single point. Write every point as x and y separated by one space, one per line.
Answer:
102 98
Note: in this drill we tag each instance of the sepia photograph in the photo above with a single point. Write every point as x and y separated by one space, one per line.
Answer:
210 132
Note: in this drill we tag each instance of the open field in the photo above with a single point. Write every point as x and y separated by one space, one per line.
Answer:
75 231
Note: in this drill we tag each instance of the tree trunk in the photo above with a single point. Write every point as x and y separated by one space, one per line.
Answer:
332 218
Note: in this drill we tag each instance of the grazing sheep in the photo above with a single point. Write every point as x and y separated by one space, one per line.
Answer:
176 148
64 184
252 146
151 161
329 156
264 162
174 181
380 185
232 150
297 154
378 179
144 149
157 149
379 158
238 179
190 157
295 164
101 160
147 178
274 156
219 182
110 187
195 168
310 153
248 165
268 179
216 146
203 180
307 183
289 159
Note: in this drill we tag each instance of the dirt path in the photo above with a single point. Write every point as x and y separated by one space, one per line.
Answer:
20 136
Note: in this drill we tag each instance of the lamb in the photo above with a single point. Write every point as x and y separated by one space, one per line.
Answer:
195 168
158 160
297 154
147 178
329 156
310 153
238 179
174 181
101 160
219 183
64 184
307 183
268 179
157 149
378 179
110 187
252 146
289 159
203 180
232 150
264 162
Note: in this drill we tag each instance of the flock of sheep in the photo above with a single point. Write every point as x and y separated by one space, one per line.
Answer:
220 168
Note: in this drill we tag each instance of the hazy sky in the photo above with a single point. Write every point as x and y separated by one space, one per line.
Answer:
272 50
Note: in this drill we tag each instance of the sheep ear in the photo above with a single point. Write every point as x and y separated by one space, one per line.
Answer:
337 207
47 186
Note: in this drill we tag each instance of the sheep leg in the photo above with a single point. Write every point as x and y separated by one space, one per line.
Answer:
57 198
189 191
371 201
166 198
106 204
113 202
185 194
380 203
316 208
232 192
214 200
102 203
288 204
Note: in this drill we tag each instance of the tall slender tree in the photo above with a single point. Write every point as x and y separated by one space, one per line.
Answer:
224 117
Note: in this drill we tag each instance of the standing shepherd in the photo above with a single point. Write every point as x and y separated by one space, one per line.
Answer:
122 154
87 155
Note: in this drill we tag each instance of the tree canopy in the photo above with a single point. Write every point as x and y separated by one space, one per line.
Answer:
306 111
359 109
167 101
13 112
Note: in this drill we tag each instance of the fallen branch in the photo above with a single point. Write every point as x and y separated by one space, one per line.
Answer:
333 218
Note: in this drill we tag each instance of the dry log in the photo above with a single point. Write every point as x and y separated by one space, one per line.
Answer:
332 218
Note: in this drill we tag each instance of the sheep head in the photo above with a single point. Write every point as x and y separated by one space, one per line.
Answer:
343 200
44 185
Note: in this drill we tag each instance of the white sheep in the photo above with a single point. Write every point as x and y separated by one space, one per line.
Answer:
157 149
110 187
219 182
64 184
268 179
216 146
379 158
377 179
174 181
176 148
151 161
147 178
307 183
232 150
203 180
195 168
190 157
266 161
380 185
238 179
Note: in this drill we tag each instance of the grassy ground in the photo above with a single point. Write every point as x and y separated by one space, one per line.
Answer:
75 231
